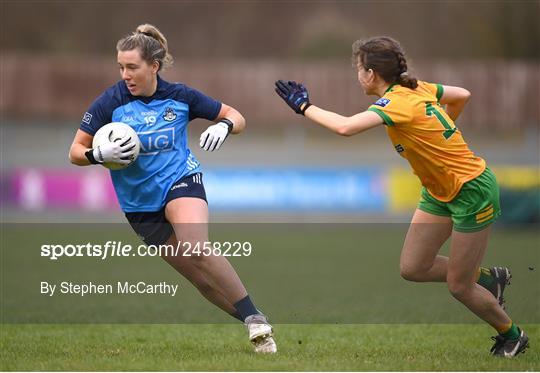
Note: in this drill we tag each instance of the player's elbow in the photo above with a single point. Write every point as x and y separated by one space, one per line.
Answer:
344 130
455 96
71 158
240 124
74 160
465 95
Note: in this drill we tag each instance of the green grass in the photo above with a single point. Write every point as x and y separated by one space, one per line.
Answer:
333 291
297 274
225 347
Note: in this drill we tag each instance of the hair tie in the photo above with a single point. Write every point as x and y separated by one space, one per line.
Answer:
403 75
146 33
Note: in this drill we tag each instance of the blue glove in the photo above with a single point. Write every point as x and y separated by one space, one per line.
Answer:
294 94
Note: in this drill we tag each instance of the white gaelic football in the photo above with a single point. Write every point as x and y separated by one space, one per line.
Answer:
113 132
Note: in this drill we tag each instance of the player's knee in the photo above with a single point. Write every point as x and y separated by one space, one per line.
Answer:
458 289
198 259
411 272
408 273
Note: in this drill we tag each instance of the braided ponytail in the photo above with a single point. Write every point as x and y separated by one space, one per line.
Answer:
404 79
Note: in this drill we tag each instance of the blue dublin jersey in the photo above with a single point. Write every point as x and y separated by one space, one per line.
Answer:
161 124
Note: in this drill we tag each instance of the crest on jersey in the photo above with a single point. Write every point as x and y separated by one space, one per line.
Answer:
169 115
382 102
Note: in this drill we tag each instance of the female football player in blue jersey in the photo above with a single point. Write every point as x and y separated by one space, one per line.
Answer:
162 193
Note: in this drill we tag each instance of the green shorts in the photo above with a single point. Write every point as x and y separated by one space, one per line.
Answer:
475 207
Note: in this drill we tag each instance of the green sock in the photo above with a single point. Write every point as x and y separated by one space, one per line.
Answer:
512 333
485 279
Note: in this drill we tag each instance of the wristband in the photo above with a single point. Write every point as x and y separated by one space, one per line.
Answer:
228 123
303 111
90 156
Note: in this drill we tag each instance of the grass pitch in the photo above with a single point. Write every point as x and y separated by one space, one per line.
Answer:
225 348
333 293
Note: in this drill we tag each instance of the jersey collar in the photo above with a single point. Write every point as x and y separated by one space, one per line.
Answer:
160 85
389 89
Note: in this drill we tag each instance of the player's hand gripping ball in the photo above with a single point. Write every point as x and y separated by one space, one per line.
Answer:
116 145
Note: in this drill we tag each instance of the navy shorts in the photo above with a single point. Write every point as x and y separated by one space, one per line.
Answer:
152 226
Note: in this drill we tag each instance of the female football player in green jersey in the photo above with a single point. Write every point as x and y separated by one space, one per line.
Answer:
460 196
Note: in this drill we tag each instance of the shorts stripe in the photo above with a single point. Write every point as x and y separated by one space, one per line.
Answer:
484 214
487 208
484 219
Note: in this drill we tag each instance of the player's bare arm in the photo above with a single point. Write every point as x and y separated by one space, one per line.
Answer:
228 112
342 125
81 143
297 97
455 99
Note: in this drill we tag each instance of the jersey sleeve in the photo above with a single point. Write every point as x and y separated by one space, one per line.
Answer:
436 89
99 114
201 105
392 109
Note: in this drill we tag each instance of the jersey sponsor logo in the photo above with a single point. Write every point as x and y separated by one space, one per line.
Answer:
153 142
399 148
87 117
169 114
382 102
127 119
147 113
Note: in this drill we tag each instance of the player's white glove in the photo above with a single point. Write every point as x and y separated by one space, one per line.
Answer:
120 151
213 137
